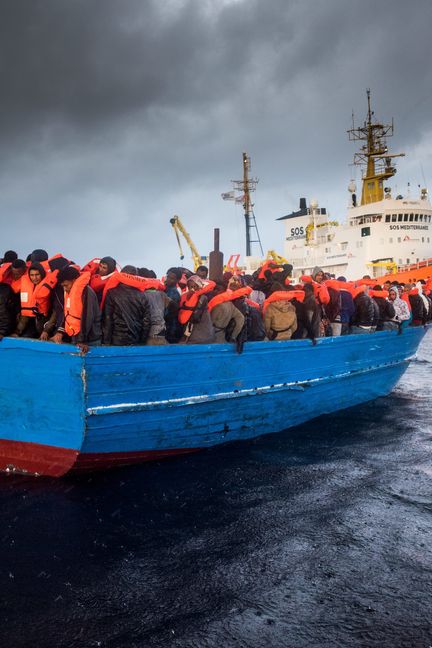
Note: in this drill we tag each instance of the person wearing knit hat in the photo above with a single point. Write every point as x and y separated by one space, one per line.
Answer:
38 255
9 256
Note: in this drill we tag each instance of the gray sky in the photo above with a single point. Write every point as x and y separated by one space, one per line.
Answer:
115 115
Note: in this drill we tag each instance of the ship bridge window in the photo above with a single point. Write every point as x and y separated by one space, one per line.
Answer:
400 217
399 239
421 218
416 218
365 231
408 261
388 218
344 246
405 217
411 218
394 218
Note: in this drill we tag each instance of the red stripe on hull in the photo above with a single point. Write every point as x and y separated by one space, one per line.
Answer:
103 461
35 458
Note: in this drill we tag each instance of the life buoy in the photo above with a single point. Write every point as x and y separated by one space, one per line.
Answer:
188 305
229 295
73 304
286 295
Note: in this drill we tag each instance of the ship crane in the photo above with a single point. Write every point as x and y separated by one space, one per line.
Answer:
180 229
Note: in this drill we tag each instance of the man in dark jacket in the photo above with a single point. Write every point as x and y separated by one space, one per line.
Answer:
364 316
311 312
126 316
386 314
8 310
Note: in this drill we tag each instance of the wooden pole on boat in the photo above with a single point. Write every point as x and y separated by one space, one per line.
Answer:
216 260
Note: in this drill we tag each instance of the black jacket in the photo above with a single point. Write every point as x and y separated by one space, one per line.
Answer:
126 317
312 317
418 309
8 310
364 310
386 311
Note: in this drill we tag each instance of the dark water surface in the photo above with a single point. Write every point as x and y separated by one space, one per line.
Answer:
321 536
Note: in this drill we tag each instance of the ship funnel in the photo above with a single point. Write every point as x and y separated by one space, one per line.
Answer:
302 203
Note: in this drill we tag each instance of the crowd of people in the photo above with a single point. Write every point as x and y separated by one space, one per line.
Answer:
53 299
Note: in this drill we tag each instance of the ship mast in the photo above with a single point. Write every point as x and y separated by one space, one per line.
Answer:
246 186
374 155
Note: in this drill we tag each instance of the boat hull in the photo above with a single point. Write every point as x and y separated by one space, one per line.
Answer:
120 405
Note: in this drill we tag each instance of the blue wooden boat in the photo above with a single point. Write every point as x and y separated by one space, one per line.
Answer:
62 411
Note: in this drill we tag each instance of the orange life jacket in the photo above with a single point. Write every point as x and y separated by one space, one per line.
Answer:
269 265
286 295
142 283
378 293
42 293
405 298
359 289
366 282
73 304
92 266
229 295
253 304
188 304
27 296
320 289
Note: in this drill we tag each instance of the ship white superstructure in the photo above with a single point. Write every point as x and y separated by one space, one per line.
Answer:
383 233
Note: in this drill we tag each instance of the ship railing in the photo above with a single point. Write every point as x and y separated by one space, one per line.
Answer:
415 266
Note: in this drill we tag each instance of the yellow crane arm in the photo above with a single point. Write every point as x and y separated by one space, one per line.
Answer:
179 229
274 256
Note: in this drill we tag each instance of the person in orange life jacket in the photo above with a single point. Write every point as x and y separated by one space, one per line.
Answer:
364 316
56 318
386 312
126 315
418 310
280 319
160 305
347 307
107 267
228 320
82 322
311 313
194 314
27 325
174 330
202 272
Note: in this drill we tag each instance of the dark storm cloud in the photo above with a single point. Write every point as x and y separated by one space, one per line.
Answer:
115 114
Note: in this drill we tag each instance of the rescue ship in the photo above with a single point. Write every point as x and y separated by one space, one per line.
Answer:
62 411
383 233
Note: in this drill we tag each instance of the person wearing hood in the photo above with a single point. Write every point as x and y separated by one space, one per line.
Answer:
402 313
386 311
318 274
38 256
82 317
194 313
280 320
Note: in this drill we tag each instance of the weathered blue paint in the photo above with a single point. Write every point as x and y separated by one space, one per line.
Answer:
153 399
